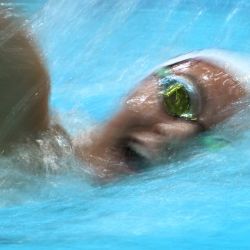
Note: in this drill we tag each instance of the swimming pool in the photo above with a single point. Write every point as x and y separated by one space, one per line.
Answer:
96 51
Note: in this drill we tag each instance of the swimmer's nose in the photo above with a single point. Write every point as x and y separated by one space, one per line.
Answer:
151 144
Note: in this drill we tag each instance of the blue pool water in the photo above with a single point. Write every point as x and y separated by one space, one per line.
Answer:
96 51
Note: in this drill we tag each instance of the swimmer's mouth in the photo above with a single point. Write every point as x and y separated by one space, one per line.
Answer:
136 157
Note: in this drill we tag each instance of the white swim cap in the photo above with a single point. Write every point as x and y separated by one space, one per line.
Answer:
236 64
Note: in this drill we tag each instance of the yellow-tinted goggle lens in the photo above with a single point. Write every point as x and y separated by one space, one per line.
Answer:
180 97
177 100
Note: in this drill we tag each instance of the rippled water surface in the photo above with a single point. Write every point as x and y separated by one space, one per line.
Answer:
96 51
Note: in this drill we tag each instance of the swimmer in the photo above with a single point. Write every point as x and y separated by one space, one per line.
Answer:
180 99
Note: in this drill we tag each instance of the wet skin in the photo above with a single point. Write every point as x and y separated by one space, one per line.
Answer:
143 132
24 85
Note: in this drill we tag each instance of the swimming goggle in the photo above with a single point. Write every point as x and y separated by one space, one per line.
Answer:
181 99
180 96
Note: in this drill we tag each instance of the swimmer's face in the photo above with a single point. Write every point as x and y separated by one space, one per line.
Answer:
169 106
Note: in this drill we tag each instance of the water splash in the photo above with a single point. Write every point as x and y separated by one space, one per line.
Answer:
96 52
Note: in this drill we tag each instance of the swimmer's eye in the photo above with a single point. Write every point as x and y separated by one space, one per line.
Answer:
180 97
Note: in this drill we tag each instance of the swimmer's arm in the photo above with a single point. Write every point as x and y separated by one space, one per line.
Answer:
24 84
